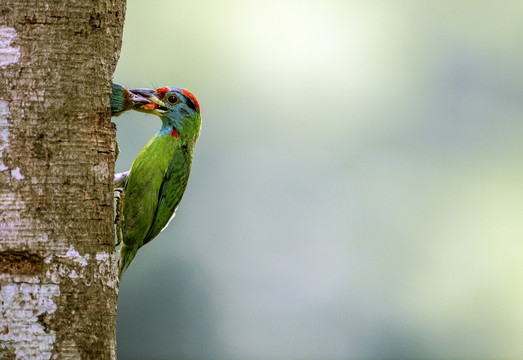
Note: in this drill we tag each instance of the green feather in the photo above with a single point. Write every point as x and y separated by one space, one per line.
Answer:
171 191
157 180
117 99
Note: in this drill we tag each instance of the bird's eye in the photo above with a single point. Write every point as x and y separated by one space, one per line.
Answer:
172 99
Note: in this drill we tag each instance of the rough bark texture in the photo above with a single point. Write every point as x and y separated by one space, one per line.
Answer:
58 272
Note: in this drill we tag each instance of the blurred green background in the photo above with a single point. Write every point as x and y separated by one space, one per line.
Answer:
357 189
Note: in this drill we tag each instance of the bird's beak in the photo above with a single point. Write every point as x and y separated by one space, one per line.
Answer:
136 100
154 105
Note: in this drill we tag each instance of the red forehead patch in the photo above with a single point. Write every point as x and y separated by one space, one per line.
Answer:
161 92
192 97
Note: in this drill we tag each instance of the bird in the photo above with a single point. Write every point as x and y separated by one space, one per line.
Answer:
123 100
156 182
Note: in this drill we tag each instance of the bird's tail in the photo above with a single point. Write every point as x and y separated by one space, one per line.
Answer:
127 255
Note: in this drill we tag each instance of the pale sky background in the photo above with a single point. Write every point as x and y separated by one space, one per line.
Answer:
357 189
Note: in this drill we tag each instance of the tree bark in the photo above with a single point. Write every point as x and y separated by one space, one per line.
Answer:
58 267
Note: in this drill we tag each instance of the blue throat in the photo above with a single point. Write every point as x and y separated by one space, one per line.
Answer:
166 128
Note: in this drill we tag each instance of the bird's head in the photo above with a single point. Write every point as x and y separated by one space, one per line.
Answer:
178 109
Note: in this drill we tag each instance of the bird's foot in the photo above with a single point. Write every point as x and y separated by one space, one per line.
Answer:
120 179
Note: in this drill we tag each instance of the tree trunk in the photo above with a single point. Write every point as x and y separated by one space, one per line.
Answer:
58 267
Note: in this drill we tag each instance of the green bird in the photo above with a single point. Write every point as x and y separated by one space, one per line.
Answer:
153 188
123 100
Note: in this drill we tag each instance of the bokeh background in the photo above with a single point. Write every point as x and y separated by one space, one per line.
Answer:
357 189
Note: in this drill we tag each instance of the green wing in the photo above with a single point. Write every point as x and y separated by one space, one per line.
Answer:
117 100
171 191
143 189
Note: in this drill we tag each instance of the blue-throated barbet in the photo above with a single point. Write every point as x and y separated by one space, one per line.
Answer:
158 177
